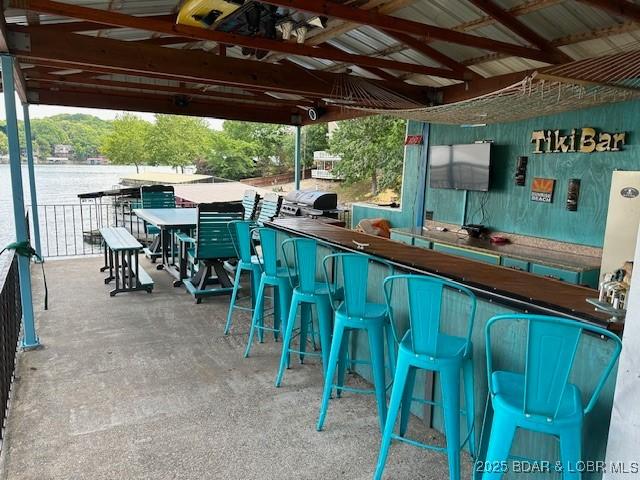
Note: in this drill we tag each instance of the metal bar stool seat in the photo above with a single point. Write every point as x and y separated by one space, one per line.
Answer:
307 292
423 346
354 312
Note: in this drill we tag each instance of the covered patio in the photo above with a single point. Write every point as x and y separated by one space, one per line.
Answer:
147 386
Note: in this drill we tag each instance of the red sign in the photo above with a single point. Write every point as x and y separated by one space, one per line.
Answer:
413 140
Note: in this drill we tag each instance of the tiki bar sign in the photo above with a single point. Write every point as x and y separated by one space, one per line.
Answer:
586 140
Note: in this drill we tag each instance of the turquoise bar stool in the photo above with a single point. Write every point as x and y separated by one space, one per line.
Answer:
156 196
307 292
352 312
423 346
241 235
274 276
541 398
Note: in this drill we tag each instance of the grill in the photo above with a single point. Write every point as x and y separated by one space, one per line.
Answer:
314 204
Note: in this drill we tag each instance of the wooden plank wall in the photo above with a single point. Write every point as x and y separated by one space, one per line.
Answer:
509 206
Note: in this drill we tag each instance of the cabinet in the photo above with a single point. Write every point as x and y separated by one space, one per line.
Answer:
515 264
470 254
556 273
402 237
422 242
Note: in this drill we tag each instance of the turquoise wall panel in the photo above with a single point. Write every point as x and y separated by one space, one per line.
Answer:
509 207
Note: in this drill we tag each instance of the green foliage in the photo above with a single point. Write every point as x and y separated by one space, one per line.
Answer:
371 148
4 144
273 144
314 138
178 141
126 144
230 157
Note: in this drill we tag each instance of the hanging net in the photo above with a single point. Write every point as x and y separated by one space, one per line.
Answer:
579 84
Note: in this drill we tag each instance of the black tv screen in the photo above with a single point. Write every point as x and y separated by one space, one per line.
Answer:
460 167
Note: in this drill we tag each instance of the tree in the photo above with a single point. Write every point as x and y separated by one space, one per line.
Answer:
370 147
178 141
273 143
127 142
314 138
229 157
4 144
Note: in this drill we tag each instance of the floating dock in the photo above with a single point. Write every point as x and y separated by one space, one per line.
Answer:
161 178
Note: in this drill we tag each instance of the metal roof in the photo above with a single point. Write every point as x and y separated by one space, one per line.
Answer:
576 29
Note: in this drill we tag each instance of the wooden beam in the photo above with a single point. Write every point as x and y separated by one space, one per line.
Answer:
386 22
21 87
516 26
480 86
39 79
166 27
92 98
114 56
620 8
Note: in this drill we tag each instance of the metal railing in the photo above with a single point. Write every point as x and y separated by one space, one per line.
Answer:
74 229
10 318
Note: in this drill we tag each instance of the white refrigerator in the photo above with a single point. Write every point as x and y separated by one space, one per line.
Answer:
623 219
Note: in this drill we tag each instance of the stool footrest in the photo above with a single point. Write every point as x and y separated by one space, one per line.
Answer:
418 444
310 354
363 391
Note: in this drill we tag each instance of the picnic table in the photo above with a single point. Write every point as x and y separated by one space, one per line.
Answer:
170 221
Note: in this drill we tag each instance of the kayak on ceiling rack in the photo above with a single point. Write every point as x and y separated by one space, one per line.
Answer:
249 18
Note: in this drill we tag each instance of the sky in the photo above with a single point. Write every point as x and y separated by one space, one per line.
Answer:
43 111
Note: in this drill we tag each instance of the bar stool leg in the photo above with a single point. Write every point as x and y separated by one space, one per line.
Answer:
284 302
286 342
500 439
323 307
469 403
407 395
257 316
376 349
232 302
336 343
342 361
391 348
397 393
571 453
305 318
450 383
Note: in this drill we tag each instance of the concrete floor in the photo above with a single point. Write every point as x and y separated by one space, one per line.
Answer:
146 387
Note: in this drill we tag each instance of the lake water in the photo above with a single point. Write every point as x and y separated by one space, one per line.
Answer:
58 184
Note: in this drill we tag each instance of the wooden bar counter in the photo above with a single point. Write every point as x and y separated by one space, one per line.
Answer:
506 286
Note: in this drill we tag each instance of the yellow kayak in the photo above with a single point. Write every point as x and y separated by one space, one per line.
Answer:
207 13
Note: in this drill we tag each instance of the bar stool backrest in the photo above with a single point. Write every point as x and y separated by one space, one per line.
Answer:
425 296
305 252
270 208
350 283
213 237
240 231
157 196
250 203
269 246
552 343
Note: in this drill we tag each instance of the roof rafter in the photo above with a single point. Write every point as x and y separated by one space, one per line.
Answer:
20 85
621 8
386 22
116 56
516 26
166 27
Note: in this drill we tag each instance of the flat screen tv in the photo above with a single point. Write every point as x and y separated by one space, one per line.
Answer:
460 167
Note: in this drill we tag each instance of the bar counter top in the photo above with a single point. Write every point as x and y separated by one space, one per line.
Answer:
543 256
506 286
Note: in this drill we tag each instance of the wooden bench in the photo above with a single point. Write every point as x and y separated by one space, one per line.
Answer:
121 251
